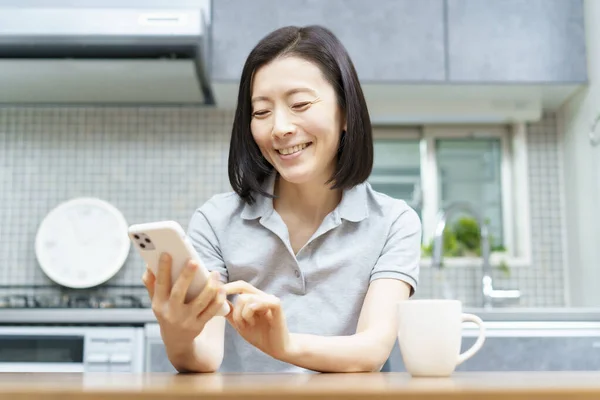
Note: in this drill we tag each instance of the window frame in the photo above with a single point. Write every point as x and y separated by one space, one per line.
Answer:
514 183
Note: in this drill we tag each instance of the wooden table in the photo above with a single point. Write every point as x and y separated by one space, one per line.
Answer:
480 385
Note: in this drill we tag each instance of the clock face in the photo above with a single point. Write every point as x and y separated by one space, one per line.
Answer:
82 243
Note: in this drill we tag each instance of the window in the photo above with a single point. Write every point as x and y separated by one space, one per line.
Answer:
397 170
469 170
432 167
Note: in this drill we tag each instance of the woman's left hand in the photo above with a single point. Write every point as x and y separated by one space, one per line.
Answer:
259 319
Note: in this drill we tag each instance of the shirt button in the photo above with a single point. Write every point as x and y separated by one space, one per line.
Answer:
297 273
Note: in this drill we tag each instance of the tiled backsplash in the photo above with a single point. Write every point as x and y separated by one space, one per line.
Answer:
162 163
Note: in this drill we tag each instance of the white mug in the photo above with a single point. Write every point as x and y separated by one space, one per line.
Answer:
430 336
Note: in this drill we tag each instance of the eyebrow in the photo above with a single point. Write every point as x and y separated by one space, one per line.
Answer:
287 93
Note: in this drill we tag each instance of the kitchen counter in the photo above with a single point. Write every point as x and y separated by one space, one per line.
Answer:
461 386
141 316
537 314
111 316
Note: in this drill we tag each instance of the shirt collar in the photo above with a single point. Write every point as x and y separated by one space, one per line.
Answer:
263 205
353 206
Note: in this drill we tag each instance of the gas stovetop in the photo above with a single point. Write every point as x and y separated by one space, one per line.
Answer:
67 301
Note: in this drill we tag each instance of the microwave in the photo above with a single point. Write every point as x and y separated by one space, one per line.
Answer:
71 349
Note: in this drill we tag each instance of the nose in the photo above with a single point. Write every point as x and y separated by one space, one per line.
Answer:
282 124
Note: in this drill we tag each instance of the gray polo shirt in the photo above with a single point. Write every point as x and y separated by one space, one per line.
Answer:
368 236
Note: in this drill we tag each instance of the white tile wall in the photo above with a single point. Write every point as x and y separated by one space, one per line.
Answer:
161 163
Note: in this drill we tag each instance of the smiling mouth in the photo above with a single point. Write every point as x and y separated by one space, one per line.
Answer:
294 149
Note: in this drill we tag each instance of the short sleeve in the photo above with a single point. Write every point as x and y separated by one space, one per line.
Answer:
401 254
206 243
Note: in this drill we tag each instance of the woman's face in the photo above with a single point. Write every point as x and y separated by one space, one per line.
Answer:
296 120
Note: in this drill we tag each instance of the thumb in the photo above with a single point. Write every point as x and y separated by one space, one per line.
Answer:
229 316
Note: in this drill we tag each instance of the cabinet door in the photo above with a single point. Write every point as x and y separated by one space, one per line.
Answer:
542 353
156 357
527 353
388 40
516 41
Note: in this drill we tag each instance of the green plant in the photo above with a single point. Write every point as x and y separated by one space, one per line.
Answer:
504 268
467 232
462 239
451 245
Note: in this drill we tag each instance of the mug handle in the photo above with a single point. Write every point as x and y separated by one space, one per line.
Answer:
478 343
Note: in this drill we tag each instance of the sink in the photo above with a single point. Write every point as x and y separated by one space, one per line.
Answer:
529 339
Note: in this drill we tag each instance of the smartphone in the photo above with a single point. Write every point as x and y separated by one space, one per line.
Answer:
153 238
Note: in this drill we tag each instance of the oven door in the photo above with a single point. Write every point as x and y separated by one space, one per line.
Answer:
41 349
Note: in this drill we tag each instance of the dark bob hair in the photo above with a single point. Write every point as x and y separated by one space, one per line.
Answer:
247 166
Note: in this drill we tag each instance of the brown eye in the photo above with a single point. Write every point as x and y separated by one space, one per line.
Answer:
301 106
259 114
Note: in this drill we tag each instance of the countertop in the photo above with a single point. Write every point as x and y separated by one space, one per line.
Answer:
460 386
141 316
112 316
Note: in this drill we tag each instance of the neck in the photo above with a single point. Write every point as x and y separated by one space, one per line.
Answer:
310 201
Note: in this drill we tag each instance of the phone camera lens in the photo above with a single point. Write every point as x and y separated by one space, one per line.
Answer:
136 236
148 240
142 245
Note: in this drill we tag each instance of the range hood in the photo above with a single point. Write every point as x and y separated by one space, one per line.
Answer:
104 55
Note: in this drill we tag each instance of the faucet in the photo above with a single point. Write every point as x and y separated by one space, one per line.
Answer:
489 293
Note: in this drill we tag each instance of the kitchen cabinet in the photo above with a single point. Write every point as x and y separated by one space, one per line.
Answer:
532 353
425 41
516 41
156 359
389 40
532 343
536 353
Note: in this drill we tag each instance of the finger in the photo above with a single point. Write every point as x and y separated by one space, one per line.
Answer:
269 315
266 313
229 316
163 278
149 280
247 312
214 307
183 282
240 302
267 306
207 295
270 307
241 287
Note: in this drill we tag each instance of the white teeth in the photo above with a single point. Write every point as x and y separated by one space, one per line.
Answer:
292 150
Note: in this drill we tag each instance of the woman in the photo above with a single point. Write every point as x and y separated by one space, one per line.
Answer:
315 258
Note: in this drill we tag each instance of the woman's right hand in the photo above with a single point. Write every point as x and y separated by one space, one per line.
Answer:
181 322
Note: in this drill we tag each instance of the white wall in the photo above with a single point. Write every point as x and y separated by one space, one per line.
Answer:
582 175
